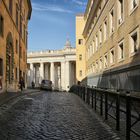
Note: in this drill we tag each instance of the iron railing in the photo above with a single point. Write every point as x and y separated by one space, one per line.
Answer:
113 104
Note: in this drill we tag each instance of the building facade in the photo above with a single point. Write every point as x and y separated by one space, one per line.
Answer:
80 48
112 41
14 16
59 66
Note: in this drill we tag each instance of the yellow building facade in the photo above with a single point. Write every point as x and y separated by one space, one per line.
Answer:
80 48
112 41
14 16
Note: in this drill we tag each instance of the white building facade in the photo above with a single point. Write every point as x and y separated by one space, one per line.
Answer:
59 66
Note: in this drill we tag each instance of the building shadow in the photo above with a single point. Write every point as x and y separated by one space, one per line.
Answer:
123 78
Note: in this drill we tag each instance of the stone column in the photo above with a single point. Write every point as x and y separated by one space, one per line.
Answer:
31 73
62 76
46 76
59 78
52 72
41 69
67 75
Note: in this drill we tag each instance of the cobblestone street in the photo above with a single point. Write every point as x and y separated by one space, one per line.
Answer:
51 116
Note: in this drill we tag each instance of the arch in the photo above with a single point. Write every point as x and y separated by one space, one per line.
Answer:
9 59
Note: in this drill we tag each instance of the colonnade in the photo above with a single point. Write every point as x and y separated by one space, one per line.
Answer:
62 74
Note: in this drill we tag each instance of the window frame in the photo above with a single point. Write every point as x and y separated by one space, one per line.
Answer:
135 31
119 53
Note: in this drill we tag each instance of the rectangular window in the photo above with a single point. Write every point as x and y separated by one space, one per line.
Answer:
97 66
1 25
105 61
134 42
80 41
93 46
120 11
80 57
133 4
96 41
100 36
112 56
105 30
112 21
121 51
100 64
1 67
17 15
20 51
21 26
16 46
11 6
80 73
16 73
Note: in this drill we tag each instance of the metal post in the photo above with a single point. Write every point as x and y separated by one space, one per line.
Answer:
92 98
128 117
106 106
101 103
95 101
118 112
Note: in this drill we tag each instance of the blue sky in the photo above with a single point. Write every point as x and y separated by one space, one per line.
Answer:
52 22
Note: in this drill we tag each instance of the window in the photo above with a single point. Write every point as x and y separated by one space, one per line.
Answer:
105 30
112 21
21 26
80 73
100 36
16 46
11 6
80 57
100 64
1 25
24 33
134 42
20 51
1 67
112 56
80 41
93 46
96 41
133 4
17 15
121 51
120 11
105 61
93 67
16 73
97 65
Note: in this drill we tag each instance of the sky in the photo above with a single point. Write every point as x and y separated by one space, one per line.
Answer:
52 23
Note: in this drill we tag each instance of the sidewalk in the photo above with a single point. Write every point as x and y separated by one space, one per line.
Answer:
4 97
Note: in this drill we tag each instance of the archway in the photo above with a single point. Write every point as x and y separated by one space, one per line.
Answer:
9 59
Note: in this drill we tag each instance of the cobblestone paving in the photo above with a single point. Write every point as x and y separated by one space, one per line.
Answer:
51 116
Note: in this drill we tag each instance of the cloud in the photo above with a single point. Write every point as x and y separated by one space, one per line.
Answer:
78 2
51 8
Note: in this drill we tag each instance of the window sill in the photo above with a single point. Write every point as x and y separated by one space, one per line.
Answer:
120 24
134 53
121 60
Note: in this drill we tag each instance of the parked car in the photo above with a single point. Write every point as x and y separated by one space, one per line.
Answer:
46 84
